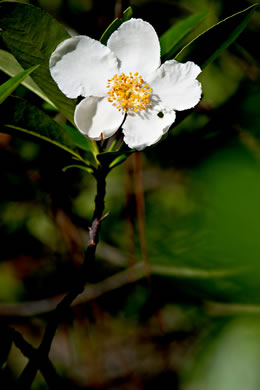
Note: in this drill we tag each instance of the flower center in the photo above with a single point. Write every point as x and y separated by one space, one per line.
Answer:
128 93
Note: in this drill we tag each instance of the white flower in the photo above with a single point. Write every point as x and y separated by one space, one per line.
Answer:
124 77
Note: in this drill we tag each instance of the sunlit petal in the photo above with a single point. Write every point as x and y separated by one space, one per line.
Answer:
81 66
125 78
137 47
175 84
146 128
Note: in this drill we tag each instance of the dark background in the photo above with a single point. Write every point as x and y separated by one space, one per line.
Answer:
188 207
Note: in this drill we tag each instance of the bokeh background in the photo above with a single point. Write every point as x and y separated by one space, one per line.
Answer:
174 300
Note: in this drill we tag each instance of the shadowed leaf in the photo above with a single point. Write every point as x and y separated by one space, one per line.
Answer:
31 35
18 116
208 45
115 24
173 38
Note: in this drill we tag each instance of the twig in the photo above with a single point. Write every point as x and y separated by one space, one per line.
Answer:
230 309
46 367
29 372
118 280
140 210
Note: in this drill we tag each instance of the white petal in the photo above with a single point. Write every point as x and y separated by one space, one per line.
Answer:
175 84
81 66
146 128
95 115
137 47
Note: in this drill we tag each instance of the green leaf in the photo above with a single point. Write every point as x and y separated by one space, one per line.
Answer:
78 139
112 159
127 14
233 348
82 142
10 85
208 45
10 66
31 35
82 167
215 230
173 38
118 160
18 116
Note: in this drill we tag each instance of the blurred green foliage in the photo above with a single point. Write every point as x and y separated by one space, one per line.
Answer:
194 323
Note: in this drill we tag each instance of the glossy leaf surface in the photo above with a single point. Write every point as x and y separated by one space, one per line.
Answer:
208 45
10 85
31 35
10 66
18 116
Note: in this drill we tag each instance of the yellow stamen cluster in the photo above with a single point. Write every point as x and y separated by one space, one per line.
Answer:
128 93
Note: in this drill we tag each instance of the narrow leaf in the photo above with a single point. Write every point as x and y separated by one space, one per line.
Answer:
208 45
10 85
118 160
127 14
82 167
10 66
111 159
31 35
173 38
18 116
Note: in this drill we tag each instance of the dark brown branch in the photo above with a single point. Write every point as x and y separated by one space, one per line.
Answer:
40 355
22 344
46 367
